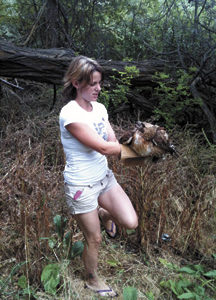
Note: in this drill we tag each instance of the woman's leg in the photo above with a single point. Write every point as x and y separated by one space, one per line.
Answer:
90 225
116 202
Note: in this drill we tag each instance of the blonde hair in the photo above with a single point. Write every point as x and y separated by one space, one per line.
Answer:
80 69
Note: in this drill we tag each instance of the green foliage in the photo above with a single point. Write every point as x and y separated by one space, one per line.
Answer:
22 282
174 99
63 250
60 225
130 293
194 286
114 29
8 20
4 283
177 287
122 84
62 245
131 71
150 296
167 264
24 291
104 97
77 249
50 278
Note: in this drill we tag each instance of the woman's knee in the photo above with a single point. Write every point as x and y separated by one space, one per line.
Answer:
132 223
94 240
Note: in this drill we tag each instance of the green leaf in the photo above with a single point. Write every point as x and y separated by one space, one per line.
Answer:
130 293
199 290
171 285
167 264
52 242
150 296
130 231
22 282
211 274
77 249
181 284
187 270
60 225
29 292
188 295
50 278
199 268
113 263
67 239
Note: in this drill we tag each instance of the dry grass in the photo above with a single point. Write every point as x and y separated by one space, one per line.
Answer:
173 196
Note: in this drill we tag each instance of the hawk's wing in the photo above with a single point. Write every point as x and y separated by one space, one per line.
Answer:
126 138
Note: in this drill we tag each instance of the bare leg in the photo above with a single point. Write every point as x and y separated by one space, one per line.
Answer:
90 225
117 204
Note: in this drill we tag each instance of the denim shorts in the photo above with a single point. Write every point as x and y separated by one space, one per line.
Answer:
84 198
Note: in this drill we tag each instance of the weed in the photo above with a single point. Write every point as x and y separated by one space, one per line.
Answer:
174 100
173 196
63 251
198 285
122 85
130 293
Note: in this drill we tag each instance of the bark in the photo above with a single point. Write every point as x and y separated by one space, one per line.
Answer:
42 65
52 31
49 65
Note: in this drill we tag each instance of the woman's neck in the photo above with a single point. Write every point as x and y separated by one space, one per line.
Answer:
86 105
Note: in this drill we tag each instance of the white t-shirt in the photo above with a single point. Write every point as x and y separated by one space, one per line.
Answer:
83 165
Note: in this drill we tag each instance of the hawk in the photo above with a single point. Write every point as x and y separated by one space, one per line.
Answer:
148 140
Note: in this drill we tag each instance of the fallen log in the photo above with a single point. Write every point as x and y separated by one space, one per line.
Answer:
49 65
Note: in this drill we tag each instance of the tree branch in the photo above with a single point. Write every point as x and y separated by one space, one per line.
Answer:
208 29
11 84
35 23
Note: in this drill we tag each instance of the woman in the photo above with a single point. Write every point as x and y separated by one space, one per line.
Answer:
87 138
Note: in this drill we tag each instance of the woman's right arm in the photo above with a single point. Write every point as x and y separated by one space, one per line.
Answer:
87 136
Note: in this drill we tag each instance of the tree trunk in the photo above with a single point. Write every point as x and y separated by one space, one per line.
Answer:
52 31
209 114
49 65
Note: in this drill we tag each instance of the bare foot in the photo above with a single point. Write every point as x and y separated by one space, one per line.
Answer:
101 288
109 225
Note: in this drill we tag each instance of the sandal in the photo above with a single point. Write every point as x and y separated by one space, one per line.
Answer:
103 292
112 231
110 226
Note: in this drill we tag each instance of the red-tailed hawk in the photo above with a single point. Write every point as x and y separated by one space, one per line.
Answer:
148 140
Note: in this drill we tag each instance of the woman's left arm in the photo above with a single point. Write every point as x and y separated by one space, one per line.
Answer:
111 133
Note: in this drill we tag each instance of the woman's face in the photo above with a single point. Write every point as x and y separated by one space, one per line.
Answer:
90 92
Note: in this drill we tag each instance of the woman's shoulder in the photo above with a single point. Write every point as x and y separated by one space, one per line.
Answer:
66 107
98 106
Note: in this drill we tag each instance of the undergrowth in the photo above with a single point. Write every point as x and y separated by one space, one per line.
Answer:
170 256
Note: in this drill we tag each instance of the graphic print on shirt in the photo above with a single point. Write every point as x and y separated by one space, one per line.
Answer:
101 129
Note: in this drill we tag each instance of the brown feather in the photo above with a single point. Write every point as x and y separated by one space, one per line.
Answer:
148 140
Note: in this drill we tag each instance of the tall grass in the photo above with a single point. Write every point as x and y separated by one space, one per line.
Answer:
175 196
